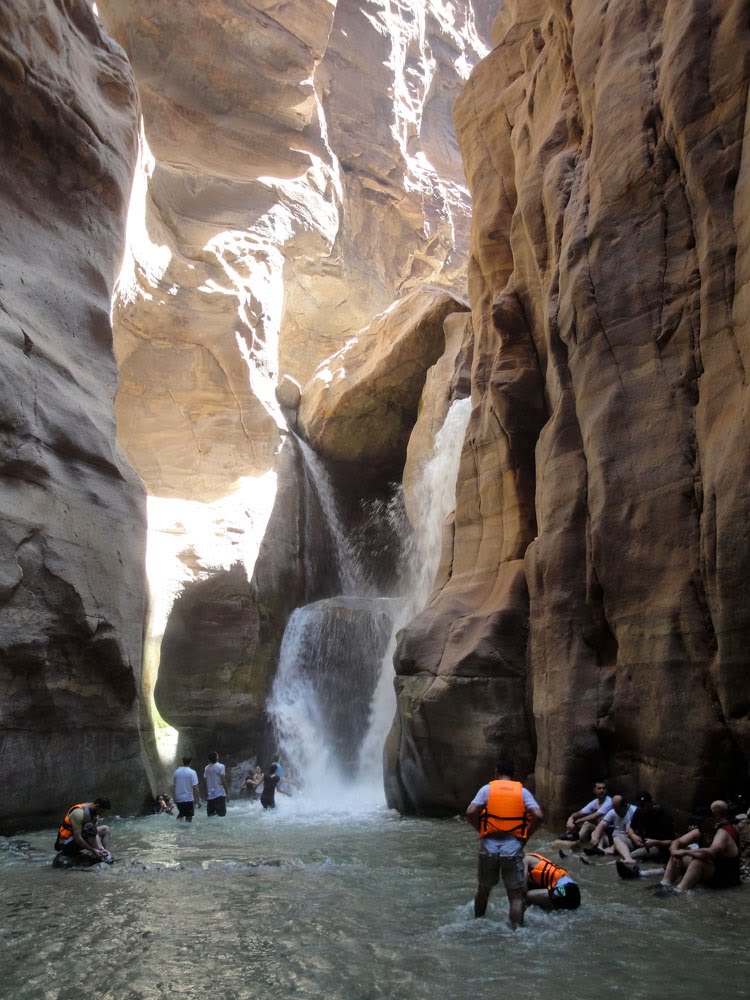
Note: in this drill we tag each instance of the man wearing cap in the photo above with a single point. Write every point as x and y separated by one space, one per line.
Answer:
504 814
714 861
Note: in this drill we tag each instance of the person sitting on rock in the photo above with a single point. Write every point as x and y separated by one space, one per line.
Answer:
713 861
79 832
580 825
614 823
649 835
552 888
163 804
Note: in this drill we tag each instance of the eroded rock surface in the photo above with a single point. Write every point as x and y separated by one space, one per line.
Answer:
303 175
605 468
361 405
72 512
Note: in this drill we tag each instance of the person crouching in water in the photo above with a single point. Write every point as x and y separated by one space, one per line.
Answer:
80 833
504 814
549 885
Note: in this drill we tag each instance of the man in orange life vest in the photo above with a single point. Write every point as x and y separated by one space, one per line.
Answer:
80 833
549 885
505 814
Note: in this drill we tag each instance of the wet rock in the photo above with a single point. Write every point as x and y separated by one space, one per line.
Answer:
361 405
605 148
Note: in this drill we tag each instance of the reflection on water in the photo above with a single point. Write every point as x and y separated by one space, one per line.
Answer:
358 907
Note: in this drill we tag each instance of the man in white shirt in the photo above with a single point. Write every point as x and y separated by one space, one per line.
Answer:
215 776
614 824
581 824
504 814
186 792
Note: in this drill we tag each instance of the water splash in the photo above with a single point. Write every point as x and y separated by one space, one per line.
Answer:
333 700
435 497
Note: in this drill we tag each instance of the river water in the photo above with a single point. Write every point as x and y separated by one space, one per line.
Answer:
356 905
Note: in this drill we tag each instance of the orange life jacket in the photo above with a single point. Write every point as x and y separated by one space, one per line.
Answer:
65 832
505 811
546 874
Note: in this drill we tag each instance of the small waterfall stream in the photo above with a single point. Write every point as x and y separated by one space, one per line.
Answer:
333 700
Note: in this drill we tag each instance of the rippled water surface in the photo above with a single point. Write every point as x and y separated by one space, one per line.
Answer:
357 907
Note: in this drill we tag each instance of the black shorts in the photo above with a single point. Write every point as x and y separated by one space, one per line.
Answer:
217 806
69 850
565 897
186 808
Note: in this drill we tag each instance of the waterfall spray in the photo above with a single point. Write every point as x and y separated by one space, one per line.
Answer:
333 701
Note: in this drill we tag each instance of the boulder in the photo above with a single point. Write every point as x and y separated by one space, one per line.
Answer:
361 405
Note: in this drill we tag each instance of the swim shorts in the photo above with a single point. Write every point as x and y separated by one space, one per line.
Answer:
491 866
217 806
186 808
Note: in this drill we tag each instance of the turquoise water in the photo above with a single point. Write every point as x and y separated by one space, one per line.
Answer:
356 906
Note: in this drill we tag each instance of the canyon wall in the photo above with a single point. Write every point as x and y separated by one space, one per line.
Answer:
299 174
72 512
598 598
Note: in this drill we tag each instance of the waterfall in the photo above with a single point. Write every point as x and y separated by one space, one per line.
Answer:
333 700
347 565
435 496
329 664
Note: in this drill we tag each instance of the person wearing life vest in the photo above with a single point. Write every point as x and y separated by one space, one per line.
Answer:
715 862
79 831
550 886
504 814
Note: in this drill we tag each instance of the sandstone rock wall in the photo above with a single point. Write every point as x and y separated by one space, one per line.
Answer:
72 513
303 174
361 406
606 466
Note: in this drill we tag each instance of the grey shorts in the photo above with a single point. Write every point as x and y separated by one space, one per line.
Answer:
492 866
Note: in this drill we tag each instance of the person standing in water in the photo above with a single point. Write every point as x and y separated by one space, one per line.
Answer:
80 833
504 814
272 784
217 795
186 791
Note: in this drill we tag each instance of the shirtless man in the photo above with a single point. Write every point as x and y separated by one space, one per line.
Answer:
79 832
716 863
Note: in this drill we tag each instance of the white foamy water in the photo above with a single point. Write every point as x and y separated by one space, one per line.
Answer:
309 734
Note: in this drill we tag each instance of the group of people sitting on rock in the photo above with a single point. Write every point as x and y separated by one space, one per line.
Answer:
708 853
